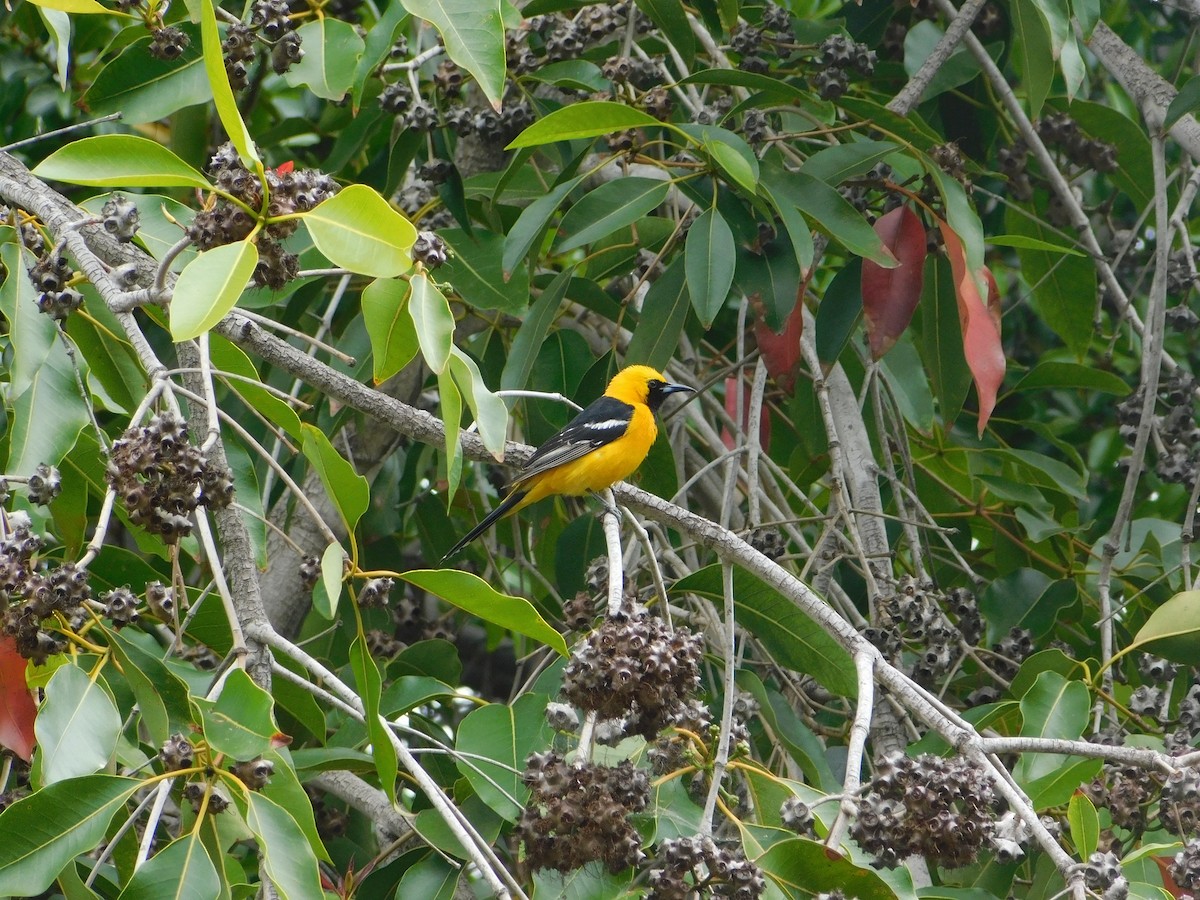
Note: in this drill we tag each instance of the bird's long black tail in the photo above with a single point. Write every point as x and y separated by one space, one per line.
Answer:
507 505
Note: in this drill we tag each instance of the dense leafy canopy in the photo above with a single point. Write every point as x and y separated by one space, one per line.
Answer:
904 604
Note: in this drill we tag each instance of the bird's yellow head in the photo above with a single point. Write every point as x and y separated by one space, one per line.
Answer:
642 384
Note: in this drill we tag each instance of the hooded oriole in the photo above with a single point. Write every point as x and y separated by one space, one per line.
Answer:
602 445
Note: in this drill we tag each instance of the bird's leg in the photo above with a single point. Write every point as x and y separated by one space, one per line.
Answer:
609 503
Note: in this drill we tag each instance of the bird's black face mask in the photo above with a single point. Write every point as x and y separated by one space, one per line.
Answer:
660 390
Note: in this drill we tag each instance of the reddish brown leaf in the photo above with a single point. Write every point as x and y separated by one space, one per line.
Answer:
981 333
993 298
17 709
731 405
890 295
1164 865
781 352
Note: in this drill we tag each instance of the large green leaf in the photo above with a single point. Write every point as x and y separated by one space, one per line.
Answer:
531 224
664 312
182 870
808 866
474 595
534 327
821 203
473 33
287 857
506 734
223 99
348 490
1085 824
835 164
76 728
161 695
793 639
47 417
44 831
1064 286
229 358
491 415
582 120
612 205
240 722
369 684
389 326
709 258
476 269
358 230
31 335
143 88
332 49
941 340
433 320
1053 708
209 287
119 160
1173 629
1034 57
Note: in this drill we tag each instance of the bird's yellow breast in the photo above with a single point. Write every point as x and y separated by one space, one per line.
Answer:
604 466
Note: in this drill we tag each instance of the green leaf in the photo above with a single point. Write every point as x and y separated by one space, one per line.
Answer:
332 49
228 357
1134 173
797 228
1186 102
582 120
805 866
368 682
240 722
209 287
1053 708
434 321
474 595
959 68
761 84
432 878
451 402
161 695
143 88
1173 629
1085 824
31 335
1023 241
491 415
473 33
835 164
1033 52
709 264
829 209
223 99
358 230
729 152
839 312
1071 376
119 160
531 224
182 870
389 326
529 337
941 339
286 855
47 829
328 590
477 271
1064 287
76 728
348 490
572 74
612 205
664 313
793 639
47 417
672 20
507 735
79 7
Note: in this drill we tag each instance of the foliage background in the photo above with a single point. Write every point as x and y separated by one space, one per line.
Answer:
940 509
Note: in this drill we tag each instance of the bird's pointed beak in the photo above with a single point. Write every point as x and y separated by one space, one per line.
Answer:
677 388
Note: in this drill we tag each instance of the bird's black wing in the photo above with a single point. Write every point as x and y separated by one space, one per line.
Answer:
600 423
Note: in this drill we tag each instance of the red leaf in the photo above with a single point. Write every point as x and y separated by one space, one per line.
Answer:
980 329
781 352
890 295
1164 865
993 297
731 405
285 168
17 709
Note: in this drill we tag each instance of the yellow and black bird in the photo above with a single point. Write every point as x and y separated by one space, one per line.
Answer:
602 445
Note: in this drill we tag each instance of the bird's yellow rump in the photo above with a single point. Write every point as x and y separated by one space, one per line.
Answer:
602 445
